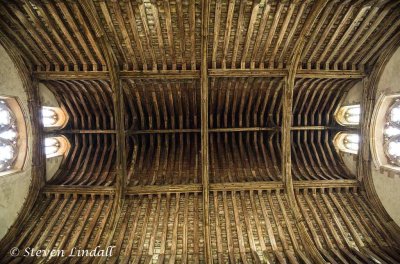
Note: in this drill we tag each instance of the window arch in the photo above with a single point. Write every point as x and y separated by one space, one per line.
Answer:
347 142
8 137
392 133
13 143
56 146
53 117
348 115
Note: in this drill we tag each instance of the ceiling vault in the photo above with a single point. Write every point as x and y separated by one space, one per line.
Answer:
202 131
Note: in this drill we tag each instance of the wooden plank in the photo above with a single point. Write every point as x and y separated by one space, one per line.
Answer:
181 32
250 28
217 23
205 15
136 37
156 22
228 228
125 36
271 33
260 33
192 25
154 189
71 21
282 32
65 189
238 35
346 35
170 34
193 74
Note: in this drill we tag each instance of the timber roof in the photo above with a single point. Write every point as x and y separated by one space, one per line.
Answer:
202 131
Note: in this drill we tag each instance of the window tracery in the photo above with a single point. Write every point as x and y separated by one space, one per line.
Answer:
8 137
347 142
349 115
55 146
53 117
392 133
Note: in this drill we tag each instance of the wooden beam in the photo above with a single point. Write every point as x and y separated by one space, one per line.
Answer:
71 75
74 189
105 75
244 186
247 73
195 74
161 74
231 186
317 184
300 128
82 131
213 130
287 120
205 16
330 74
119 110
156 189
197 130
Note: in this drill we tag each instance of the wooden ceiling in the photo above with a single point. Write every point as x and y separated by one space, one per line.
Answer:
162 35
202 131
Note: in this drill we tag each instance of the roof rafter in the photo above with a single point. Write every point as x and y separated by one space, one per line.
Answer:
195 74
205 13
287 118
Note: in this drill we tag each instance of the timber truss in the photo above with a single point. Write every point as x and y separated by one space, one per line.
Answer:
201 131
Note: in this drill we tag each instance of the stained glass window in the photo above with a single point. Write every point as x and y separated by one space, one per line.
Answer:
349 115
55 146
8 137
53 117
392 133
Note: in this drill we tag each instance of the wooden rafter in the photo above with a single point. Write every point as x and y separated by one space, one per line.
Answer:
117 96
287 120
195 74
241 147
205 15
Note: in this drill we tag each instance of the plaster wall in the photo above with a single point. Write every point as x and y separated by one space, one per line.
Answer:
387 186
14 187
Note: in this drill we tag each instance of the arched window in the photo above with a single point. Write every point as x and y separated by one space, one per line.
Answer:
55 146
348 115
53 117
8 137
392 133
347 142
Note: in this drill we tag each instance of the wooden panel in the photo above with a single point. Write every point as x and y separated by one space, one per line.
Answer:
252 227
56 36
245 102
164 228
164 159
153 35
88 103
316 100
254 34
159 104
349 34
345 229
90 161
244 157
62 223
314 157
